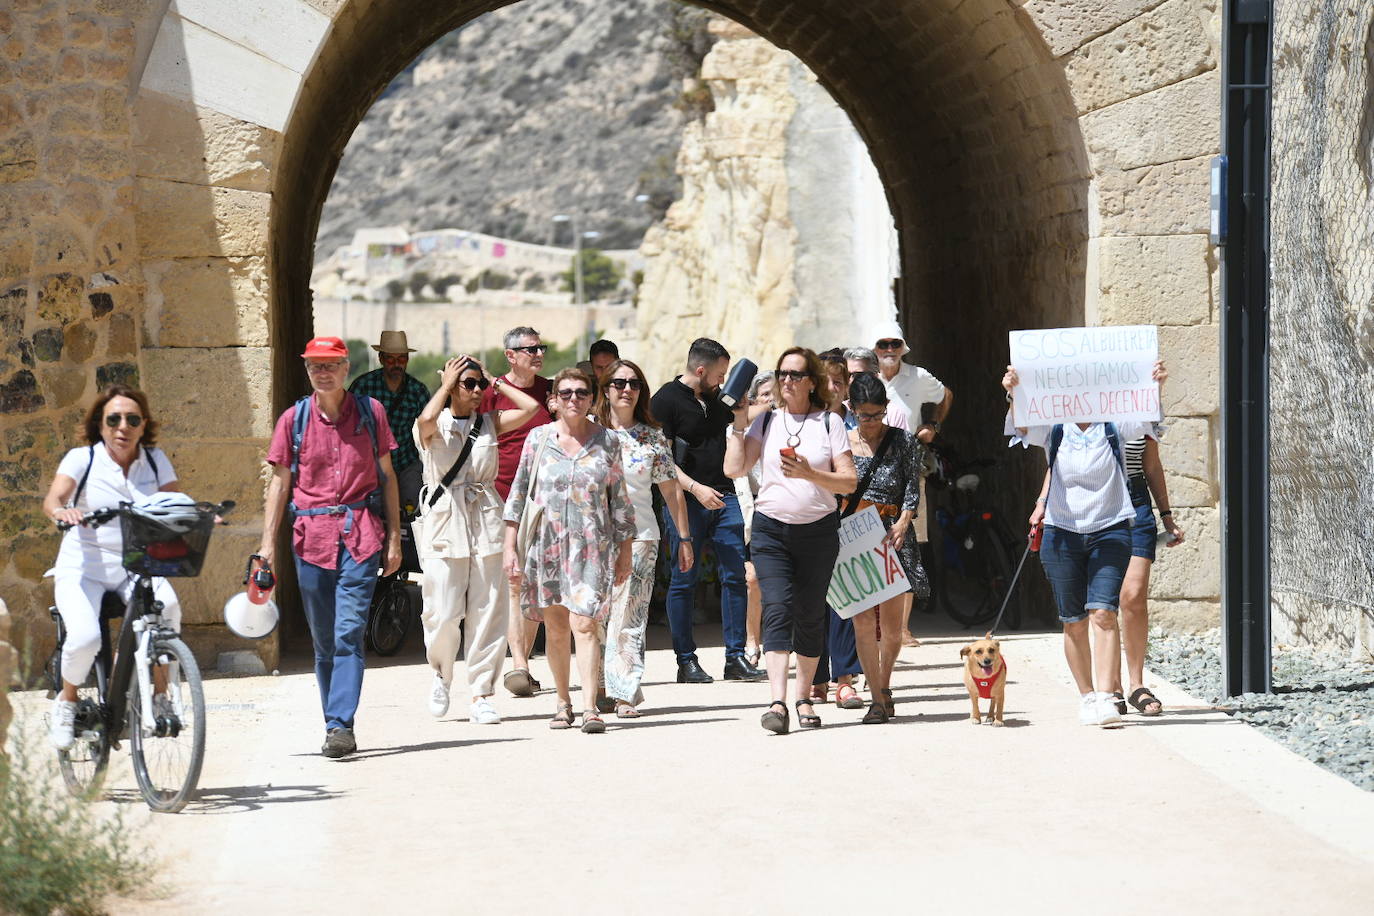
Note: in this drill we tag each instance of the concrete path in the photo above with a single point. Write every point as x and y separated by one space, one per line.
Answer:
695 809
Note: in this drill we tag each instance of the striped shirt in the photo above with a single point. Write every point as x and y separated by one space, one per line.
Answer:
1135 457
402 408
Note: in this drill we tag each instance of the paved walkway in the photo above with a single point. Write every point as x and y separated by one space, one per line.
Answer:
695 809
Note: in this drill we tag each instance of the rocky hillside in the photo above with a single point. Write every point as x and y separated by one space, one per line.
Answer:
542 107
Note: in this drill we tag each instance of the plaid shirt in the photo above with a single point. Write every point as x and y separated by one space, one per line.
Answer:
402 408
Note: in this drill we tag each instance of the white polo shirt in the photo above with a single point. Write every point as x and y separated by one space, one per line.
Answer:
1088 490
913 386
99 551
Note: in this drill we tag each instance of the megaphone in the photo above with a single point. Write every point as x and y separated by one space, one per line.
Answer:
736 387
252 614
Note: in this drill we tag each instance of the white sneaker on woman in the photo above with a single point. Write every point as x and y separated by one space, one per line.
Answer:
61 728
484 712
1087 710
1107 716
438 697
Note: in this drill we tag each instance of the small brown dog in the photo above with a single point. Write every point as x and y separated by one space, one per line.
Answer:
985 675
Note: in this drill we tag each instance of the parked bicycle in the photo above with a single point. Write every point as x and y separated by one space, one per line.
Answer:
150 682
973 566
391 612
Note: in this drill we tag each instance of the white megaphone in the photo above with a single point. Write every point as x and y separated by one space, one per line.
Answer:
253 614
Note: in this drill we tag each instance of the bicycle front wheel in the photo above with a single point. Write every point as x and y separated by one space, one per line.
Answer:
974 585
169 749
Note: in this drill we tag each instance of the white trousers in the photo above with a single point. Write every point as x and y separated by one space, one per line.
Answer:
473 590
78 595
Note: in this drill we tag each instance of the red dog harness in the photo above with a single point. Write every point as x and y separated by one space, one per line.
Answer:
985 683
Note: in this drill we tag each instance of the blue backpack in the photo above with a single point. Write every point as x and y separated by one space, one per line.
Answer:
373 501
1113 439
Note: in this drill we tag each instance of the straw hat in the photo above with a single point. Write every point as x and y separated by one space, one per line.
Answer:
393 342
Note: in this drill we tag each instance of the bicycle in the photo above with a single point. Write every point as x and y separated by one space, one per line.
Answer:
972 568
166 728
389 615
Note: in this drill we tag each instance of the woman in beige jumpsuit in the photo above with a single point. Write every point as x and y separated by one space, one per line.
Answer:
459 535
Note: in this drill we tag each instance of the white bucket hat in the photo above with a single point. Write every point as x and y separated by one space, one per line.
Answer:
891 329
393 342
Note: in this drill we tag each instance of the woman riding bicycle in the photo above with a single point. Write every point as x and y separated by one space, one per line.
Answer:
117 465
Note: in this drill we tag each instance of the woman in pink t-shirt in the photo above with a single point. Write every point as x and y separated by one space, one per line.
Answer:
803 451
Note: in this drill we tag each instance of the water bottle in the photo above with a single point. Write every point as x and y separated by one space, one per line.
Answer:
737 382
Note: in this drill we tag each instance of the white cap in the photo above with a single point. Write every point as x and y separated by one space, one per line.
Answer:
891 329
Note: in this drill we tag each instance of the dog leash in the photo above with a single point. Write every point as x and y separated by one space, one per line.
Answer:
1032 546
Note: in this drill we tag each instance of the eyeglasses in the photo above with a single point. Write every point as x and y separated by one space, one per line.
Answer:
112 420
532 349
472 383
889 343
323 367
792 375
870 417
620 384
567 394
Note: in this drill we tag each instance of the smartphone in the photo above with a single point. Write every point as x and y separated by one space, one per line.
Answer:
788 452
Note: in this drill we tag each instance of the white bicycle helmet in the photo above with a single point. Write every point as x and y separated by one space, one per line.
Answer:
175 511
249 620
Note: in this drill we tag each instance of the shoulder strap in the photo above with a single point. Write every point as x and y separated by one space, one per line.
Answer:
369 421
299 420
1114 440
767 418
82 484
152 463
458 465
859 491
1056 439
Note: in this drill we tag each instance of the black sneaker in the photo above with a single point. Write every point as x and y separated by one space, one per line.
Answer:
339 742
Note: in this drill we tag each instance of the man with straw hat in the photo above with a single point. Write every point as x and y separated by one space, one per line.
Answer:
403 396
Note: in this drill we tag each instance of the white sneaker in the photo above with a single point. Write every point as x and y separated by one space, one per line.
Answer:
438 697
1107 716
1087 710
484 712
62 725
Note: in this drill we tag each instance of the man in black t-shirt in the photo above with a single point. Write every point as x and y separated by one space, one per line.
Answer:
694 422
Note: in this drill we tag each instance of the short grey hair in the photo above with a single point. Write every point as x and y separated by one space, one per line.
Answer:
864 355
759 381
512 338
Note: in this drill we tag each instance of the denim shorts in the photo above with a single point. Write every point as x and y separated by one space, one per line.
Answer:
1144 531
1085 570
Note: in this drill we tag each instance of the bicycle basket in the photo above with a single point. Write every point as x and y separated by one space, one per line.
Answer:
153 549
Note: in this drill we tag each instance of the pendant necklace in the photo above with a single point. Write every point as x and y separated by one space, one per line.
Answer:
793 439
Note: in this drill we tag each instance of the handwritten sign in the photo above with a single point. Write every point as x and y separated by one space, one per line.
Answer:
868 571
1085 375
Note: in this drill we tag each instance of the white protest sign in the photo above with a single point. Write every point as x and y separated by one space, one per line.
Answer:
1085 375
868 571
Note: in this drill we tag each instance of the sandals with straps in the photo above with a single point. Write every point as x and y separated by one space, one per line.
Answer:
1142 699
592 723
773 721
563 718
807 720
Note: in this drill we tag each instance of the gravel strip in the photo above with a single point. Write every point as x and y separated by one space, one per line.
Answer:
1322 706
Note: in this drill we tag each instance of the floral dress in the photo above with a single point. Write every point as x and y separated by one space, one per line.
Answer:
897 482
587 514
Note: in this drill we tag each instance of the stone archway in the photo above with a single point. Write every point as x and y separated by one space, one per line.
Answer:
1044 160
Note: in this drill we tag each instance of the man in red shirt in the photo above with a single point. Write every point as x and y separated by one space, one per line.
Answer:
336 479
525 354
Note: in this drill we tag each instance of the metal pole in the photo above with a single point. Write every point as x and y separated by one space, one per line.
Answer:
1246 92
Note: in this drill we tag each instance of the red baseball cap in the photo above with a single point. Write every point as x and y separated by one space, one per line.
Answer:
325 348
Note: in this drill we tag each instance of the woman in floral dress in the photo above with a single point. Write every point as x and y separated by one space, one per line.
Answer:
648 462
581 547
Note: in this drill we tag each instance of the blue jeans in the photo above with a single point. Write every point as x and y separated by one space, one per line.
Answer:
1085 570
336 602
724 528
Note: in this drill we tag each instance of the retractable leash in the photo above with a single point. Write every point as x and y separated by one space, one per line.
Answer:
1032 546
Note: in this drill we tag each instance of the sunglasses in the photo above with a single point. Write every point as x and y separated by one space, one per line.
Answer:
792 375
322 367
567 394
532 349
472 383
113 420
870 417
620 384
889 343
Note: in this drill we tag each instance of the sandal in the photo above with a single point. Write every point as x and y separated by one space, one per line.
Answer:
1142 699
563 718
604 704
889 702
591 722
775 722
876 715
850 699
625 710
1120 703
753 658
805 720
519 682
819 693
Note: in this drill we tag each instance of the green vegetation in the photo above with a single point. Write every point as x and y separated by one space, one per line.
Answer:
600 275
58 853
426 366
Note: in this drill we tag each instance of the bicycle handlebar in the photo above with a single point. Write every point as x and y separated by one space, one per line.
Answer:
97 517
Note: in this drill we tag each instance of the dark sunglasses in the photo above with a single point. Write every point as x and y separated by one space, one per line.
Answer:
533 349
795 375
471 383
567 394
620 384
134 420
888 344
